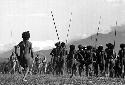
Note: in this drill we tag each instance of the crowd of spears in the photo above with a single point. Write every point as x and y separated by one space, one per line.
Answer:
87 60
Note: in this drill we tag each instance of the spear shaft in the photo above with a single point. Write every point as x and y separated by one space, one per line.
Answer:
55 25
70 20
98 31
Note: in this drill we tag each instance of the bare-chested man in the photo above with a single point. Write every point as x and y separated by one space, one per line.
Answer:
26 54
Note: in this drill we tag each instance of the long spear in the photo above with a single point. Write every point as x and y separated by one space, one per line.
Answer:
55 25
115 34
70 20
115 40
98 31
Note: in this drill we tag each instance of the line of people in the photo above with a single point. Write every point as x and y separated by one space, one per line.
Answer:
93 61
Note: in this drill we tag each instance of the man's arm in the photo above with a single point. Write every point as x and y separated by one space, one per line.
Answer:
31 51
52 52
16 47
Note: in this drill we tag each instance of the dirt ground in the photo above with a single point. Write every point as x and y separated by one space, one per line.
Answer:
16 79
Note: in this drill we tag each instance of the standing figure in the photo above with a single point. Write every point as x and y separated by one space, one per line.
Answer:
26 54
100 60
122 59
63 54
44 64
9 67
88 60
118 67
109 59
55 58
73 62
14 62
69 59
37 63
80 58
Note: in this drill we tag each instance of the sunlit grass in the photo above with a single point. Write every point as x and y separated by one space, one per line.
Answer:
16 79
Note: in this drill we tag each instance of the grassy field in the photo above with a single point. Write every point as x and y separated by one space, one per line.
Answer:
16 79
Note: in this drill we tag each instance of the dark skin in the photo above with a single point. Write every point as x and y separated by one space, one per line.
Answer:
26 55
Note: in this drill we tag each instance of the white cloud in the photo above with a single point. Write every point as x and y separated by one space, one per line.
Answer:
81 36
43 45
36 45
6 47
85 36
26 15
105 29
116 2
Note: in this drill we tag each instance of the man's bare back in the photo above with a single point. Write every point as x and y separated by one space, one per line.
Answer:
26 52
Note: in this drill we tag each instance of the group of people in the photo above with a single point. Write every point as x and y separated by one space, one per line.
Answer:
94 61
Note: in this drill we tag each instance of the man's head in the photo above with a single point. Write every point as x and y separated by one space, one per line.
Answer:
122 46
26 35
57 44
89 47
100 48
63 44
72 47
80 47
110 46
12 53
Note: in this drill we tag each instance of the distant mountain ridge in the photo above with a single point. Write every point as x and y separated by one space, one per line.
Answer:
102 39
91 40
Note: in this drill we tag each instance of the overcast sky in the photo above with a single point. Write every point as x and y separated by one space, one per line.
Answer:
34 15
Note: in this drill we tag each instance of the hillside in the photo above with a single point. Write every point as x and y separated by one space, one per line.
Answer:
102 40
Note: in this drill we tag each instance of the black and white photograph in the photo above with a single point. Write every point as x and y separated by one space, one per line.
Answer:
62 42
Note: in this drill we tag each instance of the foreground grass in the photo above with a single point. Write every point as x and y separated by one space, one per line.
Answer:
16 79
